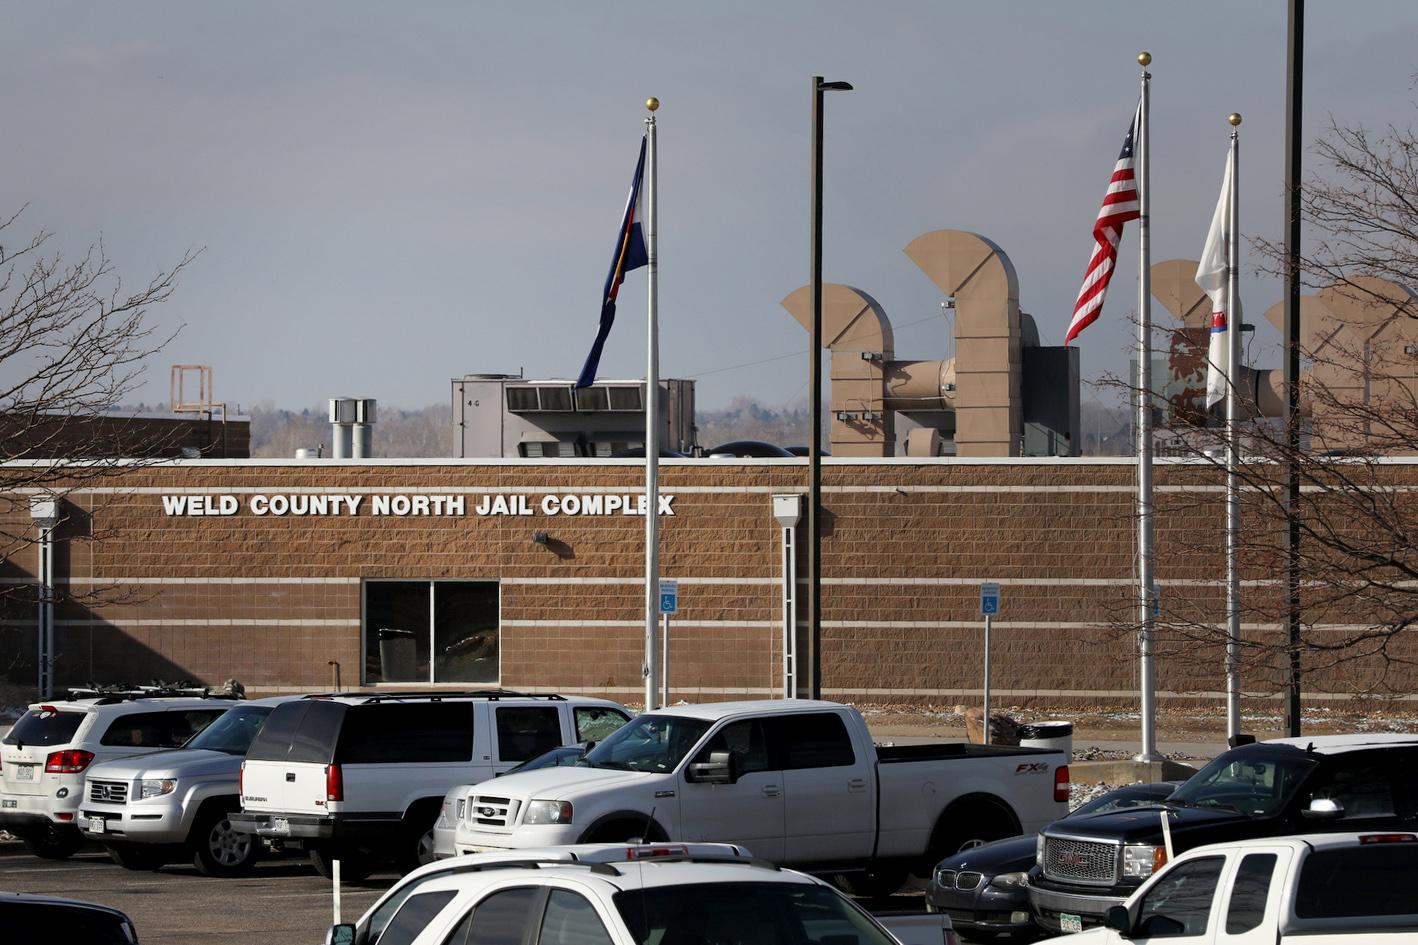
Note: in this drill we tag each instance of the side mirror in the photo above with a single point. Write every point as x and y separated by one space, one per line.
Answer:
340 935
1118 919
1323 808
721 768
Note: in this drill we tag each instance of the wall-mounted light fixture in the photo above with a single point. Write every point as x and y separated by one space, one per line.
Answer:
540 538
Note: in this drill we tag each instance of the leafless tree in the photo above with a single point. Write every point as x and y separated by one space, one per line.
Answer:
73 345
1358 520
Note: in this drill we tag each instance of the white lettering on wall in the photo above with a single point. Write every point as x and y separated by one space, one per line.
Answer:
401 505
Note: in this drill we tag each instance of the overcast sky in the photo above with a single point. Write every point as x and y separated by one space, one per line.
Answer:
390 195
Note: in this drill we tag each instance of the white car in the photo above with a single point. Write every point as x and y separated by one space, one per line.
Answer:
362 777
611 894
155 808
1314 889
44 758
797 781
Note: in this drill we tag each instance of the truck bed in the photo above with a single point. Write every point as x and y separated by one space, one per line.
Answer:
942 751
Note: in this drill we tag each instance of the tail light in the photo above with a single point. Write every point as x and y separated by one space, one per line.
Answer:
241 782
334 783
1061 784
69 761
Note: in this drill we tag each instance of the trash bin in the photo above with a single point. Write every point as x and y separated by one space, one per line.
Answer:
1057 735
398 655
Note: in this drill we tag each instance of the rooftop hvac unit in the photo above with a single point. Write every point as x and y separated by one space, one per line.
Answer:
625 399
592 400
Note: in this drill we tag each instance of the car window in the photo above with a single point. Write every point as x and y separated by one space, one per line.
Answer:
746 740
406 733
233 732
1363 786
648 743
1179 904
414 917
1249 892
500 919
525 731
813 740
41 727
170 729
1120 800
595 722
43 921
756 913
571 920
1370 880
380 917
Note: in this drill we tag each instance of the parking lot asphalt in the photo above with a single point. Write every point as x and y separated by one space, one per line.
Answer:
284 902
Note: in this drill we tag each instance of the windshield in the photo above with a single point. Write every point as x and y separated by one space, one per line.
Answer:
746 914
648 743
233 730
1123 799
563 757
1252 783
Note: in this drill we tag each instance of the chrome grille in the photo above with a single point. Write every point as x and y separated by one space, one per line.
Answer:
945 879
108 792
964 880
487 811
1080 861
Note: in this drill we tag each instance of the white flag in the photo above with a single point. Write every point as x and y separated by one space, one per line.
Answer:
1211 276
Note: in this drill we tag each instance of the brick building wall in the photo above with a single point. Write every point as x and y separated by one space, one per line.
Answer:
270 600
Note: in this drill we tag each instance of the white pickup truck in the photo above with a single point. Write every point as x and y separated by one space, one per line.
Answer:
1317 889
799 782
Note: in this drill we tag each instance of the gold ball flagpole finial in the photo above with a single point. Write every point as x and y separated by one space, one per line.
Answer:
652 103
1234 118
1144 59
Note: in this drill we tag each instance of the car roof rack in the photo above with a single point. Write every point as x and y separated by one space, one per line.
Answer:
436 695
604 869
110 695
754 861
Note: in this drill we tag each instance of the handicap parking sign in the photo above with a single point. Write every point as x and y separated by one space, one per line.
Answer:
669 596
989 599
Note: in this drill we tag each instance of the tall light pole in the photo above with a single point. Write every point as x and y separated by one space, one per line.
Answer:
814 456
1294 73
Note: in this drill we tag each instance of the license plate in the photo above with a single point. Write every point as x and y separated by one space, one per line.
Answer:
97 825
6 804
279 825
1070 923
24 772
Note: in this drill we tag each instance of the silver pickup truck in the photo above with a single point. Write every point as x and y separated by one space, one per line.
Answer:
152 809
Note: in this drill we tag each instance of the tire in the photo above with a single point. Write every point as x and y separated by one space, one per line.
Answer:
136 856
876 882
415 843
968 828
622 829
218 850
355 865
54 844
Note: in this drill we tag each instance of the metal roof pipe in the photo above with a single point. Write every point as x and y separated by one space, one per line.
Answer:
920 385
342 417
362 439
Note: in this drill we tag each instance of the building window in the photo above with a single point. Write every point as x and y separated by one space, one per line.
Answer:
431 631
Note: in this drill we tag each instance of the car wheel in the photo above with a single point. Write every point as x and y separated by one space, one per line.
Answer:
417 848
355 865
54 844
218 849
136 856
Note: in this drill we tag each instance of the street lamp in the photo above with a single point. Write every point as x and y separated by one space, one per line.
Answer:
814 502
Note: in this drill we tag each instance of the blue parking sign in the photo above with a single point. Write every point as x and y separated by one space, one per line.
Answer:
669 596
989 599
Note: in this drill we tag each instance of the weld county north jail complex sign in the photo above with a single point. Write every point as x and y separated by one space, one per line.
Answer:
399 504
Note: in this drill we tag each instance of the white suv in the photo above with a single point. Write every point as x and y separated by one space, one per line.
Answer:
614 894
44 757
362 776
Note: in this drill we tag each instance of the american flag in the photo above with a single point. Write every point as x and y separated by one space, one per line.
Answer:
1119 206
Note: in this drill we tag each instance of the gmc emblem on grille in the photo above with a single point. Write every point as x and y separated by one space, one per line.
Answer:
1072 859
487 811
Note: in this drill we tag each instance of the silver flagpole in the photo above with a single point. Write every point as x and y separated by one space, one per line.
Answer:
1148 681
1233 442
652 433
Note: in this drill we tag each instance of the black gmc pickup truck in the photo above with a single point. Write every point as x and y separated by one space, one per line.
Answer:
1270 789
